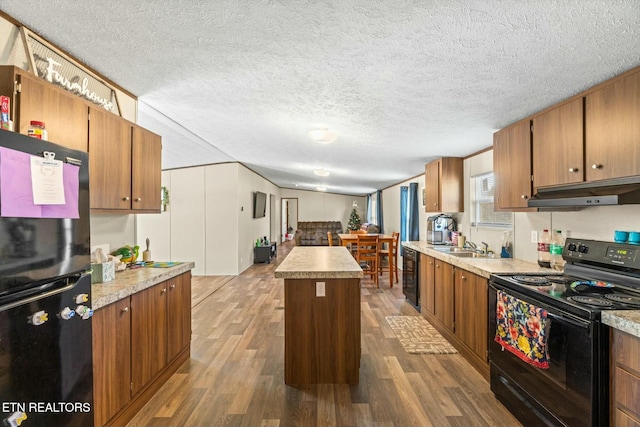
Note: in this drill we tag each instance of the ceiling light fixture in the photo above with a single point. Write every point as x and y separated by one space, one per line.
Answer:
323 136
321 172
321 188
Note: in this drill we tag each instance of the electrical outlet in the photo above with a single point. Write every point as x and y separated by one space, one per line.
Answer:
534 236
320 289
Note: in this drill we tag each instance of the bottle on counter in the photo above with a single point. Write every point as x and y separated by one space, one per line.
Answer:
544 249
37 130
555 248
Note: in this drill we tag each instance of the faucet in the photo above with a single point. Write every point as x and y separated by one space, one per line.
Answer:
485 248
472 245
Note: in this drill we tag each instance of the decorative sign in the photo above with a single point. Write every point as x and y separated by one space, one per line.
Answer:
60 71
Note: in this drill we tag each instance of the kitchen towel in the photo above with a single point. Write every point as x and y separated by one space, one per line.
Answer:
521 328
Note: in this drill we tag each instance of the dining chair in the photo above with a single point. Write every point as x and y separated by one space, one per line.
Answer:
367 255
330 238
391 253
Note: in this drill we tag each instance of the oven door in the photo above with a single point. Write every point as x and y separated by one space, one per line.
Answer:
572 391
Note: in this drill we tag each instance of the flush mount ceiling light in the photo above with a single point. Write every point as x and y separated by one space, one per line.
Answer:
321 172
323 136
321 188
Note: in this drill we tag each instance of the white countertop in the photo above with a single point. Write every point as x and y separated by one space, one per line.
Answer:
319 262
129 282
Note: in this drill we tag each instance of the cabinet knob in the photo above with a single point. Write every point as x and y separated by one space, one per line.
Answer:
573 170
163 291
173 286
524 197
126 198
124 310
437 265
138 199
596 166
463 278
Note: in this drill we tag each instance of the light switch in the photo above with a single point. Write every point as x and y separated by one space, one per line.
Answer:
320 289
534 236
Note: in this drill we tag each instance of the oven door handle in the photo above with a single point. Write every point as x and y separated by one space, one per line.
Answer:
580 324
553 315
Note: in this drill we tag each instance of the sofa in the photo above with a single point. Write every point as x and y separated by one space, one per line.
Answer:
314 233
370 228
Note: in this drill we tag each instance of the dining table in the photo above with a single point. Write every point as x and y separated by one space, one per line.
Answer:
346 239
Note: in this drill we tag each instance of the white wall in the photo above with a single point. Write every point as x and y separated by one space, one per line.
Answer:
319 206
113 230
157 228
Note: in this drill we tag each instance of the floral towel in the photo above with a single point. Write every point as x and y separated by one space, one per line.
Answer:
521 329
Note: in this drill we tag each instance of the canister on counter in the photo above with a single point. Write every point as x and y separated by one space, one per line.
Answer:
461 240
37 130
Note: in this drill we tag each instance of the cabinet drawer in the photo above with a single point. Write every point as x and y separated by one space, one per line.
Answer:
628 392
627 351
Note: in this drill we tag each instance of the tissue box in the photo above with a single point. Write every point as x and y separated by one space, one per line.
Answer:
103 272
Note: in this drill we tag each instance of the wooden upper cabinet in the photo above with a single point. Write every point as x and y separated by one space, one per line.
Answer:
512 166
109 161
612 126
557 142
146 170
444 188
32 98
432 186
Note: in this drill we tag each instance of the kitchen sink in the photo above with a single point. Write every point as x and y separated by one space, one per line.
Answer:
469 254
452 249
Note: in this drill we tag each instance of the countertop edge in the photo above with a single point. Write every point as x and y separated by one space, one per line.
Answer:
481 266
623 320
130 282
319 275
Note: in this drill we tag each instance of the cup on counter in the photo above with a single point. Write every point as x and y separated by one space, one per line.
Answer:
634 238
621 236
461 240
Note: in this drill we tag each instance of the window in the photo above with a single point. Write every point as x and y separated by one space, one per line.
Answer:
482 210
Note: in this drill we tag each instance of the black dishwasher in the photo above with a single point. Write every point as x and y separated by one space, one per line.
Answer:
410 277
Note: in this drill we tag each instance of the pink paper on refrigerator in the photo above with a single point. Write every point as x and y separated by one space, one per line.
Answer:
16 193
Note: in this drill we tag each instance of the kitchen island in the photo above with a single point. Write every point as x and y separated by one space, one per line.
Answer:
322 315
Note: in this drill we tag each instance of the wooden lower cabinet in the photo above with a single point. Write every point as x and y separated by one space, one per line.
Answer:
471 311
111 360
427 283
625 379
138 343
460 309
443 308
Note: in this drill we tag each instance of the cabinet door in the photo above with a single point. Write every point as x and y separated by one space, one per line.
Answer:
65 116
471 311
178 314
512 166
148 334
612 128
427 283
557 142
444 293
111 360
145 170
432 186
109 161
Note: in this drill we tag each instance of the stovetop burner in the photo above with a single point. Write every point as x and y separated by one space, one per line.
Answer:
592 301
624 299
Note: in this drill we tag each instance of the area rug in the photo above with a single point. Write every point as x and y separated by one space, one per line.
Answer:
418 336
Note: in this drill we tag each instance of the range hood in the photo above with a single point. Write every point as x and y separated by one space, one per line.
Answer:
619 191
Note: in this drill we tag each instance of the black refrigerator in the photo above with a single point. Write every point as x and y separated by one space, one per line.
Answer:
46 372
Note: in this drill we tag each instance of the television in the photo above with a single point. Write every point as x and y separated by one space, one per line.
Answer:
259 204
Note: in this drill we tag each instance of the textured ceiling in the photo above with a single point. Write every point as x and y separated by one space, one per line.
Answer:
401 82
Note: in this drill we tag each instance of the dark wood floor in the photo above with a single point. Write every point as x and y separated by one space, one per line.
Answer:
235 376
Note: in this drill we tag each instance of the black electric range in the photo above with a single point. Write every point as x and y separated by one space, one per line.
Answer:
597 276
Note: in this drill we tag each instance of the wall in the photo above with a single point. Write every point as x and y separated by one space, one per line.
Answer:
319 206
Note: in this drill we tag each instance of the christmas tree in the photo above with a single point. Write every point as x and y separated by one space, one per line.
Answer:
354 220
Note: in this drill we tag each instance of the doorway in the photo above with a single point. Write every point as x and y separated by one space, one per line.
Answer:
289 217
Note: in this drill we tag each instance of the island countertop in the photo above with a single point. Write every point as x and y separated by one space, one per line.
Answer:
319 262
129 282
